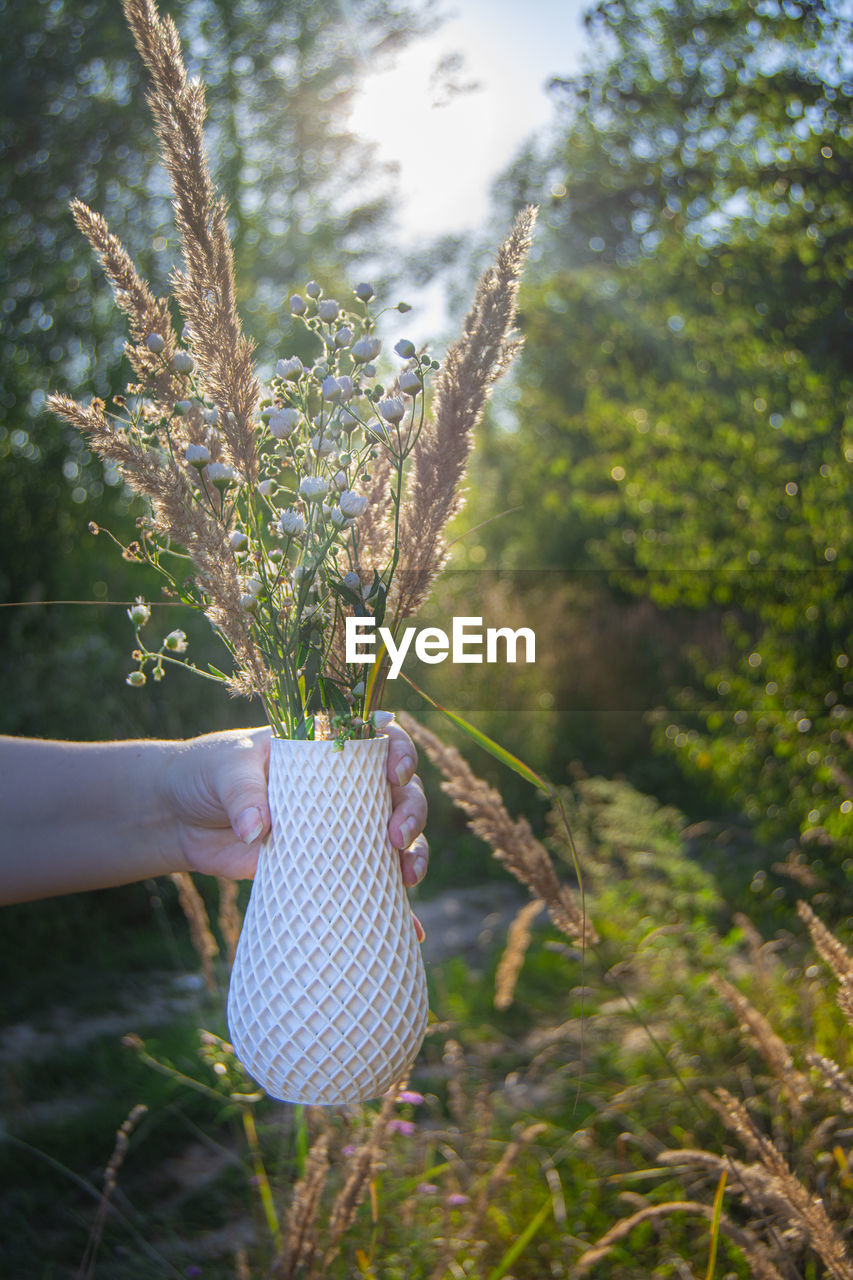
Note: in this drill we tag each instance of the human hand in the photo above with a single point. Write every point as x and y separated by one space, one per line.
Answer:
217 789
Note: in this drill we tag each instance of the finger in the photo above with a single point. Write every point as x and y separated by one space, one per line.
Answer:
402 755
420 932
242 785
414 862
408 815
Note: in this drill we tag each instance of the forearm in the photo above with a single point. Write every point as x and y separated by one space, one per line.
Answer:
81 816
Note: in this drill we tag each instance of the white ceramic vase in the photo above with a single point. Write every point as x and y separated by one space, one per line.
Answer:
328 1000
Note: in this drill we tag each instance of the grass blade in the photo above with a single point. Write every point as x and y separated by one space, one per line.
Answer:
518 1246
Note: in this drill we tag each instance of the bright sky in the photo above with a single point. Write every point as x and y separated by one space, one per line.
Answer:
449 148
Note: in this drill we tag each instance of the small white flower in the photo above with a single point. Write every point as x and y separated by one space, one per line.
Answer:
322 445
313 488
410 383
176 642
337 517
291 523
339 480
313 289
405 348
254 586
392 409
289 370
283 423
211 416
328 310
136 679
220 474
366 349
298 305
347 387
330 389
352 581
364 292
182 362
197 455
348 420
139 613
155 343
266 488
352 504
248 602
238 539
343 337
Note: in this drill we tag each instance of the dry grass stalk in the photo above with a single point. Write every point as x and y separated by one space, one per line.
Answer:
772 1047
362 1168
805 1208
833 953
758 1187
192 905
453 1057
87 1265
230 918
205 289
517 942
470 369
834 1077
759 1260
512 842
300 1244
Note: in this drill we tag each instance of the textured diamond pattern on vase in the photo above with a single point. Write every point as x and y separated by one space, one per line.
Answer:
328 1002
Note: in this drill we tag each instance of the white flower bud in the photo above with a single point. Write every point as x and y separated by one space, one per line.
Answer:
183 406
211 416
289 370
182 362
339 480
409 382
366 349
364 292
139 613
392 409
313 488
337 517
291 523
358 689
283 423
330 389
352 581
322 446
313 289
352 504
136 679
298 305
155 343
176 642
254 586
405 348
197 455
343 337
248 602
328 310
266 488
220 474
347 387
238 539
348 420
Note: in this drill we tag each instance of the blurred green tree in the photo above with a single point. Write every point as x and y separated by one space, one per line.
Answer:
684 400
305 198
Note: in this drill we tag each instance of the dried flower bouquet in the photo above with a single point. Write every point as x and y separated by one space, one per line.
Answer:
278 511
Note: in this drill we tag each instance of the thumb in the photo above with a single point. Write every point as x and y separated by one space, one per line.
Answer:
243 794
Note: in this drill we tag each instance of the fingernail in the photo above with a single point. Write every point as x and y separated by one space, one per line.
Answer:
419 866
409 830
249 825
405 770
